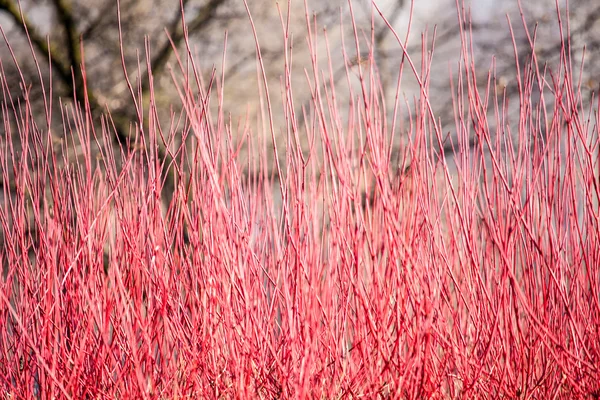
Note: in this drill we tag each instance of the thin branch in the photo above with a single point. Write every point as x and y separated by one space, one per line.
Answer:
205 15
98 22
69 65
68 70
23 23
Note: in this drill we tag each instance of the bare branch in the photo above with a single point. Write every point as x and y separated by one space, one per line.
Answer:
65 15
205 15
23 23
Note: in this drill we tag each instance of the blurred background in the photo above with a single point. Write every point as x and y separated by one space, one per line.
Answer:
433 25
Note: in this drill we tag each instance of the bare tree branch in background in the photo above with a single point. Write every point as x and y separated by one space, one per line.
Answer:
66 60
204 17
59 63
95 22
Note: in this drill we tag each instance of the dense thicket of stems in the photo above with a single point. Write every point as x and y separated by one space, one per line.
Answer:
370 263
